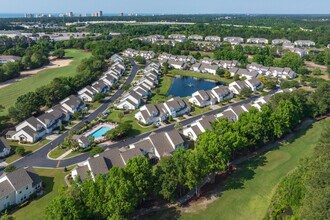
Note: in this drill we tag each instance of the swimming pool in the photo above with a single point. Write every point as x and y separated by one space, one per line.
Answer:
99 132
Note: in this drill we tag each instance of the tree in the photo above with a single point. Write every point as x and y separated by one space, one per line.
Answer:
66 205
246 92
98 97
166 179
320 99
20 150
59 53
139 170
119 132
121 195
291 60
140 60
289 84
120 115
236 77
220 72
317 72
126 87
227 74
5 216
165 67
10 168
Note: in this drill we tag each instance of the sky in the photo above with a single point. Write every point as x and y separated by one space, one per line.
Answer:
168 6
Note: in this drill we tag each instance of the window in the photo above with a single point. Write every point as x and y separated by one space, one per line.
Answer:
27 187
20 192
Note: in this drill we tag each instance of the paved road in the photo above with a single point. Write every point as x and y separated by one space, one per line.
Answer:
39 157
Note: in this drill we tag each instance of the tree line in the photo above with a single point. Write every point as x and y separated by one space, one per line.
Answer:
122 190
304 193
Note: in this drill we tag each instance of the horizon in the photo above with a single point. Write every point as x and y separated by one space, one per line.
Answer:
167 7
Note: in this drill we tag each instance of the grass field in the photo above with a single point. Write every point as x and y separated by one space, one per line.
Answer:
200 75
53 179
165 85
9 94
248 192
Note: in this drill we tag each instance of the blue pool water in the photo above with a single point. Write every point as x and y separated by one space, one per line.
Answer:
99 132
186 86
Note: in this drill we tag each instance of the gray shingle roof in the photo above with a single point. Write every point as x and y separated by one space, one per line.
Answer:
19 178
6 189
83 172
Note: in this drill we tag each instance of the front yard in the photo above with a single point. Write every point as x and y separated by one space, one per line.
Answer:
28 149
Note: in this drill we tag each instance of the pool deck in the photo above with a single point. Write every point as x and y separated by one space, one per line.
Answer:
95 128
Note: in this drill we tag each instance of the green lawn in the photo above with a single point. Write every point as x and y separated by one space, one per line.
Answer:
53 180
200 75
56 152
28 149
165 85
249 191
129 118
9 94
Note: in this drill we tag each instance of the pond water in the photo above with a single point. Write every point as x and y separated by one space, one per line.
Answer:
184 86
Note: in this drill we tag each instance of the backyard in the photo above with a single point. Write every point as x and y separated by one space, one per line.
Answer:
200 75
165 85
246 194
53 180
9 94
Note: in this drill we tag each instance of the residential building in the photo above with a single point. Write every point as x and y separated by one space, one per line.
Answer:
82 140
195 37
4 148
151 113
8 58
257 41
304 43
243 73
178 37
280 41
87 94
213 38
198 127
203 98
154 147
233 40
254 84
300 51
116 58
179 65
17 186
237 86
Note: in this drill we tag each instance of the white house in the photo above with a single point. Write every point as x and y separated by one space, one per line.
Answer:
237 86
82 140
254 84
233 40
4 148
176 64
304 43
257 41
213 38
195 37
280 41
17 186
198 127
87 94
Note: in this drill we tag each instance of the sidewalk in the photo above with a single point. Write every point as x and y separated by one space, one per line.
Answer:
64 155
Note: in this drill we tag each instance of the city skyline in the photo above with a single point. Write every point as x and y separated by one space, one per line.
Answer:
168 7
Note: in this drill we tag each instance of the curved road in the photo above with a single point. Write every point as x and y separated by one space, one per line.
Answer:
39 158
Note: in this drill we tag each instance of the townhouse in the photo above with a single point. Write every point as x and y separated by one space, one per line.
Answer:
9 59
178 37
213 38
165 57
4 148
287 45
17 186
257 41
151 113
152 38
300 51
253 84
233 40
154 147
284 73
139 93
116 58
196 37
133 53
198 127
203 98
304 43
280 41
243 73
179 65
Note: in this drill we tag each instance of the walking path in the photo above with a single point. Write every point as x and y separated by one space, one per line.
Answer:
64 155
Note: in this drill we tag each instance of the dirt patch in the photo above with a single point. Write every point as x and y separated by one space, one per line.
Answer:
28 73
312 65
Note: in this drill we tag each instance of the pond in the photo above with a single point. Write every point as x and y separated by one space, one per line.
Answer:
184 86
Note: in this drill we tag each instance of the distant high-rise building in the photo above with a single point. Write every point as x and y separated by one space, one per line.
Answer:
29 15
69 14
100 13
97 14
121 14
